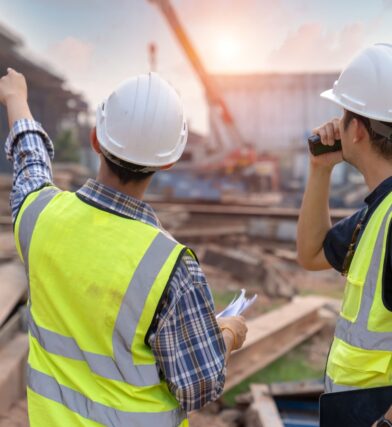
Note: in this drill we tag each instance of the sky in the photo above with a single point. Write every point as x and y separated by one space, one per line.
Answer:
96 44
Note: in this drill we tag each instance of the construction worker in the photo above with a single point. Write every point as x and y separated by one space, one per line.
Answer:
121 319
359 246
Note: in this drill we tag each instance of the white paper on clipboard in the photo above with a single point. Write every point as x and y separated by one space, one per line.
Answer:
238 305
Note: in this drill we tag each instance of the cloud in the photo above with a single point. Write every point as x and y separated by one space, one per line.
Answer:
72 56
310 48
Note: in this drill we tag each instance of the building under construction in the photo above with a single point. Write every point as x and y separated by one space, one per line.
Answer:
275 111
52 104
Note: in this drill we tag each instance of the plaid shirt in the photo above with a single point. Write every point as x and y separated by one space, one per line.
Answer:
184 337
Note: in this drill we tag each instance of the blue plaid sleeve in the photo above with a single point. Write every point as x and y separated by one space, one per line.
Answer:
29 148
187 341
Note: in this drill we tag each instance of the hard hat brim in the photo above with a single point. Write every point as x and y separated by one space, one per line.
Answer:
330 96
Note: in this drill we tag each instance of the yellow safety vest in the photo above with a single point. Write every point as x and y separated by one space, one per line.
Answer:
95 282
361 352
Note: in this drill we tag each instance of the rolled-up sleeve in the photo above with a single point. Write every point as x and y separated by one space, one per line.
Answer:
30 150
188 343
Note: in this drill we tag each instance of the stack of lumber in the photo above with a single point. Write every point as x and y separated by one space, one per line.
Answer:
266 271
13 336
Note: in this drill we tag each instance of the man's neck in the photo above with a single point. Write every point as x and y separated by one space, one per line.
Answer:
133 189
375 171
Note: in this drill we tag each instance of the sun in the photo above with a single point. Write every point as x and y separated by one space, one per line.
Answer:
227 48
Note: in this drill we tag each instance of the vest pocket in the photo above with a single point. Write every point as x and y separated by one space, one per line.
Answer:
352 299
353 366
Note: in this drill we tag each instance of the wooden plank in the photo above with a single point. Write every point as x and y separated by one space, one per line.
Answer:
265 407
13 359
13 288
209 231
272 335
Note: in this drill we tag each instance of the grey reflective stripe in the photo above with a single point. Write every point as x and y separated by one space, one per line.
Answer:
357 333
131 310
29 219
331 387
48 387
122 367
67 347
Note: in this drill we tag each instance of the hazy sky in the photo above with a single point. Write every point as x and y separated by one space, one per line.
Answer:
96 44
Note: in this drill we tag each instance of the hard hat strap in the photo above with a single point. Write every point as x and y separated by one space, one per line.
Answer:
128 166
381 129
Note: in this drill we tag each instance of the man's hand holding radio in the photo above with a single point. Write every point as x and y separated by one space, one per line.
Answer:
329 132
314 220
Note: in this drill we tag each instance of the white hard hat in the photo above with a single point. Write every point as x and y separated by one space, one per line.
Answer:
142 122
365 86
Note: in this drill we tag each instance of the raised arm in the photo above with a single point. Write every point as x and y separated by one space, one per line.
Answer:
314 219
28 146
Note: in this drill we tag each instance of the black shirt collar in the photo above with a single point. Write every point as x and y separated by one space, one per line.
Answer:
380 192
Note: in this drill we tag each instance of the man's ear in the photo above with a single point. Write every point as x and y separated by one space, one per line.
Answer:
359 131
94 141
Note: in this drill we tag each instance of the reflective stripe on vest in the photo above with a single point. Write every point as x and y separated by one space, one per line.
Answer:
120 368
48 387
29 219
357 333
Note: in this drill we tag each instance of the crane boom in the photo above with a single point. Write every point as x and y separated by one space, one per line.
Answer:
215 100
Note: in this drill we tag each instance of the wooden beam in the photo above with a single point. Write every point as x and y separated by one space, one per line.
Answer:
13 287
237 262
265 407
209 231
13 358
272 335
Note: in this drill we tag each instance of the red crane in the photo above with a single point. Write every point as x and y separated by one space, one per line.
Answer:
232 152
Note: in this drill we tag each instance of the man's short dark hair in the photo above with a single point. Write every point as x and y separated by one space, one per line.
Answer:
380 143
126 174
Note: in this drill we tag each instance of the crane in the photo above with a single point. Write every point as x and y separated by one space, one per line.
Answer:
231 150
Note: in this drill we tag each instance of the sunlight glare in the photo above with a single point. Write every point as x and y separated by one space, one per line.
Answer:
227 48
